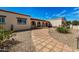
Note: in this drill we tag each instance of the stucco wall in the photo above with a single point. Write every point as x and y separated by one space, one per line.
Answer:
56 22
11 19
74 27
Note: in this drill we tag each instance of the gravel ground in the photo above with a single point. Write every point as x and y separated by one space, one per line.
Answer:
69 39
25 44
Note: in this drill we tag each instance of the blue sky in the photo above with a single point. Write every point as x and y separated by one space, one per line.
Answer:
70 13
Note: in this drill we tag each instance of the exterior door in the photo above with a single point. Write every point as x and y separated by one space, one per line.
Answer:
12 27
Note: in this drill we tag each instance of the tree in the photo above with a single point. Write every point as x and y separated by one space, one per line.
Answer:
68 22
75 22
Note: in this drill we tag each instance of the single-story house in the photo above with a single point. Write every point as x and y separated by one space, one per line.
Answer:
74 27
35 23
16 21
57 22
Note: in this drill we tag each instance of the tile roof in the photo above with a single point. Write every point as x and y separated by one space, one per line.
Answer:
14 13
37 19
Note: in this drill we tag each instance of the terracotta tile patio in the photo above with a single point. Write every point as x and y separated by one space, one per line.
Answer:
38 41
43 42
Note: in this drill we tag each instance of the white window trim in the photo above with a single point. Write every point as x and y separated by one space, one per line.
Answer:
22 22
1 20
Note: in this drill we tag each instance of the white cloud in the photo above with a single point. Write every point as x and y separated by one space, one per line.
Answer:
61 13
46 15
76 8
75 12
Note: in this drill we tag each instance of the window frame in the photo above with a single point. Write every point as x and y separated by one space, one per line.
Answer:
22 21
2 20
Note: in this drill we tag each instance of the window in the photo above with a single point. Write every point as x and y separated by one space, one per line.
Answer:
2 20
21 20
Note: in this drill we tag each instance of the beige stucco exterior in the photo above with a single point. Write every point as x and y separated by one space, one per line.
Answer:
43 23
56 22
11 19
74 27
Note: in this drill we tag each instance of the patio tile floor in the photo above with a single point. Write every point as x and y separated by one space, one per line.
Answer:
47 43
38 41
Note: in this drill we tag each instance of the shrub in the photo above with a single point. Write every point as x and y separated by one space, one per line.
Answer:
4 34
63 30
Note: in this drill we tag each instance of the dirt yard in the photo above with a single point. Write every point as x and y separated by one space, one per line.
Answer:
69 39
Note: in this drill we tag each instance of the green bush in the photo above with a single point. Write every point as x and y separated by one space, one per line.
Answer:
4 34
63 30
